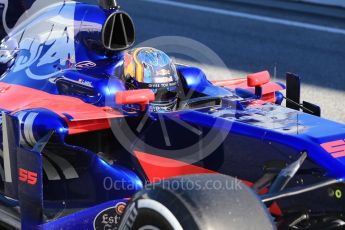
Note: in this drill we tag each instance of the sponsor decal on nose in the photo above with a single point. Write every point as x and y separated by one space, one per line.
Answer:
335 148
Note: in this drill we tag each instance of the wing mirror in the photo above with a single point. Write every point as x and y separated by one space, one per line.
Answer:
257 80
140 97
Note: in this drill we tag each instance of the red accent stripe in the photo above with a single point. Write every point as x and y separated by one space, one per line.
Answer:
268 89
231 84
86 117
159 168
271 97
76 127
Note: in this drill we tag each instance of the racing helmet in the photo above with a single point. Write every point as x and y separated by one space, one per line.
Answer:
149 68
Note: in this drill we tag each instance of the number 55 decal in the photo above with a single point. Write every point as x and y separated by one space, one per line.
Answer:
27 176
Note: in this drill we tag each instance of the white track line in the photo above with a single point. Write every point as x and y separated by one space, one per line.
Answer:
251 16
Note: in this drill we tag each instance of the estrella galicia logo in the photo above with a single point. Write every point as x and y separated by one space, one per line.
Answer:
109 219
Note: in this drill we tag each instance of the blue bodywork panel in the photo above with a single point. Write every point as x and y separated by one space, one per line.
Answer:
88 167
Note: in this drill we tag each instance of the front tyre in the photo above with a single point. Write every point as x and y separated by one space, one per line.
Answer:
191 202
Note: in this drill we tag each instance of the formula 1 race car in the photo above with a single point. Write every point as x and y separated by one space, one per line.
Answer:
85 145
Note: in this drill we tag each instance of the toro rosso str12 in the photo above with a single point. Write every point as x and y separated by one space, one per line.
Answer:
97 135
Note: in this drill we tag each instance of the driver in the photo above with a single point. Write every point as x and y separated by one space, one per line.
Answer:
149 68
